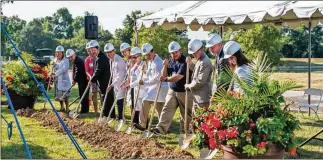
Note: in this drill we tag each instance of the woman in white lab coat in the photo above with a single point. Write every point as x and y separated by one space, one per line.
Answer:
61 79
135 74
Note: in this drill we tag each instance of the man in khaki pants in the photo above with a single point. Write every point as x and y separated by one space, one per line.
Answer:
175 75
151 80
201 85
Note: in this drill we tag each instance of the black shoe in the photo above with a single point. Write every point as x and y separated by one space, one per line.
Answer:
156 131
138 126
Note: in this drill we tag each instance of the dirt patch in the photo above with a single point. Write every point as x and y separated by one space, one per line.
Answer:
119 144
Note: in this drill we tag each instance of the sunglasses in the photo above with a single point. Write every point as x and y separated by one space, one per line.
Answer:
134 57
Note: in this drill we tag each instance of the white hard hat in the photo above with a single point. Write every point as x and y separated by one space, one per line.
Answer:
146 48
124 46
59 49
108 47
87 45
135 50
194 45
173 47
93 43
69 53
212 40
230 48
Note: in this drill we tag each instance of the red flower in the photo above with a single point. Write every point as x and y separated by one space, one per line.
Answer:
206 108
292 151
233 133
230 93
10 78
212 143
252 125
222 134
216 123
261 145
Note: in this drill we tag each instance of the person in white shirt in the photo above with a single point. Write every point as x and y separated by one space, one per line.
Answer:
238 63
152 80
62 80
135 73
119 71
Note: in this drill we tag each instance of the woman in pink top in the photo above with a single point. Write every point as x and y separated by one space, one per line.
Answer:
89 69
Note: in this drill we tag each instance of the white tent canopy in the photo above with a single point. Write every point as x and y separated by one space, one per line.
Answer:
234 14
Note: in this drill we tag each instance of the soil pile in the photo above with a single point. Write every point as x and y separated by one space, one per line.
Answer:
119 144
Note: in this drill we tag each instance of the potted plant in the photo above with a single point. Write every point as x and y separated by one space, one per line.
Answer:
251 124
21 86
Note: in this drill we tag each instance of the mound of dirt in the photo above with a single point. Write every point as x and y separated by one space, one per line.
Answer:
119 144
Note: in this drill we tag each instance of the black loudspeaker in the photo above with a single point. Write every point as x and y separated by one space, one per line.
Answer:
91 27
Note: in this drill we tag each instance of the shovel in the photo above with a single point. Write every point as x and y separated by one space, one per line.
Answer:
122 121
206 153
109 119
62 98
130 129
50 78
185 139
73 113
147 133
103 119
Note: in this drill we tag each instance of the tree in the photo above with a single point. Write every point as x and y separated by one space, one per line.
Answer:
264 39
297 42
32 37
160 39
13 26
62 23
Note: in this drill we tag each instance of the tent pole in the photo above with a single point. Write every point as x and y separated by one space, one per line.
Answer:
221 31
309 62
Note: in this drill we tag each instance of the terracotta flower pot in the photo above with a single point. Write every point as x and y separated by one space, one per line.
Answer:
19 101
273 152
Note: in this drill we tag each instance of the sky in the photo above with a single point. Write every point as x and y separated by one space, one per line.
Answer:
110 13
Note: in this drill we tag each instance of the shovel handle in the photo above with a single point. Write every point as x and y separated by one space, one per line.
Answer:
83 96
125 96
137 96
186 97
106 93
155 103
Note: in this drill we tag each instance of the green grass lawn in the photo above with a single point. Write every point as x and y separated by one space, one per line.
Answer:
47 143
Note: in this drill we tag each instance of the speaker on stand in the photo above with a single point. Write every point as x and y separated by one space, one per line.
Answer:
91 27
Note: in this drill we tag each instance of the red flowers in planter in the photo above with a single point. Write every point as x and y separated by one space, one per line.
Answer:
261 145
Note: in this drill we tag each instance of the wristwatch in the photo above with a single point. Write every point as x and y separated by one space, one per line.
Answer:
165 79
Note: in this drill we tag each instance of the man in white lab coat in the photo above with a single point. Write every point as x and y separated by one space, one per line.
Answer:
118 75
152 80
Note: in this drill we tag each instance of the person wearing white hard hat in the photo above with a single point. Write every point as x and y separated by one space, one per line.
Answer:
90 65
175 75
201 84
135 74
238 63
125 50
119 72
102 74
152 80
215 45
62 79
79 77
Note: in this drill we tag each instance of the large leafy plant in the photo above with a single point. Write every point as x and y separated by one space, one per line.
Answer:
18 79
251 120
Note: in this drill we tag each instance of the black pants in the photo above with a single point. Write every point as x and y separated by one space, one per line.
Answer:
109 101
137 113
85 102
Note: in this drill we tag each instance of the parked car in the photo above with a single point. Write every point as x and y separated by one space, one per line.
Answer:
43 56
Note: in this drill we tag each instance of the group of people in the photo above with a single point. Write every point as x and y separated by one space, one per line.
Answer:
144 82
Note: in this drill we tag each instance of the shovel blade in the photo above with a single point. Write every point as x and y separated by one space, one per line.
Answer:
147 134
206 153
72 113
129 130
120 124
109 120
182 143
102 120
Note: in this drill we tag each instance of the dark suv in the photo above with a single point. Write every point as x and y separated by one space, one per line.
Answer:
43 56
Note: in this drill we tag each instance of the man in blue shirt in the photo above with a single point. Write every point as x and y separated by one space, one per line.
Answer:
175 75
